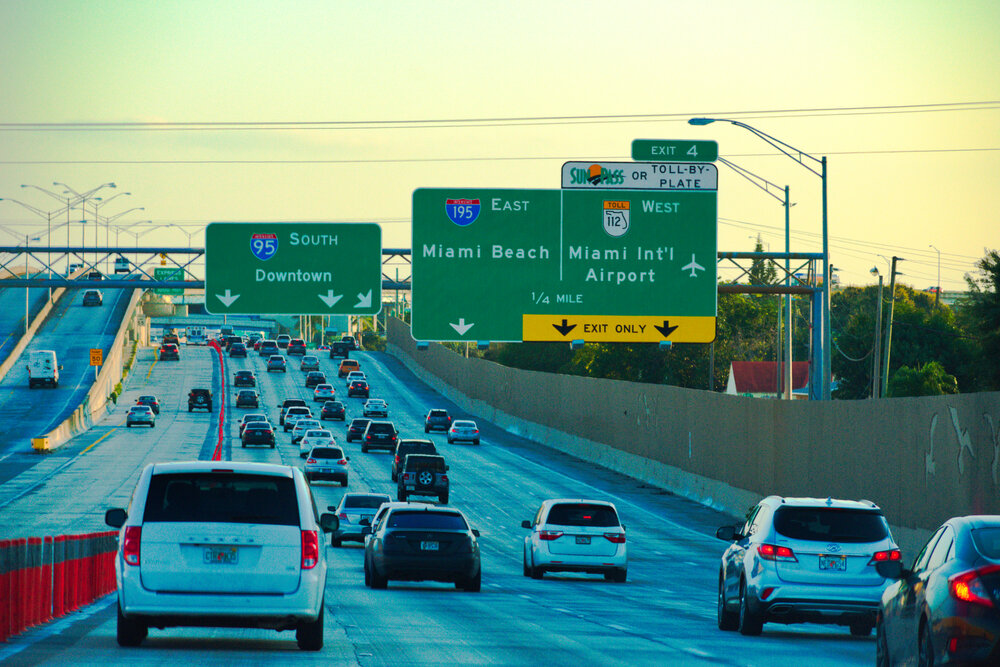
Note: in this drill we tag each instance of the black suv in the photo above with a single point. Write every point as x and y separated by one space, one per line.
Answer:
314 378
356 429
380 435
297 346
244 379
238 350
268 348
406 447
169 351
201 399
340 349
437 419
423 475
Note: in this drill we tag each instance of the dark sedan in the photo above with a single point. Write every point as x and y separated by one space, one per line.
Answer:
425 544
258 433
945 608
247 398
358 388
356 429
238 350
314 378
150 401
244 379
333 410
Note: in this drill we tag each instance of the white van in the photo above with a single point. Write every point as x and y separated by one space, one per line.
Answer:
196 336
43 369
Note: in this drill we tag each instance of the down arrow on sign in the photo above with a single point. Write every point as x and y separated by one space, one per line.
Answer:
565 328
666 329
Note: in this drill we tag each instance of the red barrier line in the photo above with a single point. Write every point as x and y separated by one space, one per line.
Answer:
5 591
217 454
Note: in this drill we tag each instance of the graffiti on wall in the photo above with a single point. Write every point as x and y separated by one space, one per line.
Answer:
964 441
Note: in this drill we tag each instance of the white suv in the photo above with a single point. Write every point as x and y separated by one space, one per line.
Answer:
209 543
804 560
572 535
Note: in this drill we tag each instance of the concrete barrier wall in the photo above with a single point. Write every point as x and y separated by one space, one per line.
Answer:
921 459
97 402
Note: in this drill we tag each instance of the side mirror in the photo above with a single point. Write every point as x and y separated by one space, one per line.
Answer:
727 533
365 522
332 508
367 530
347 458
891 569
526 524
329 522
475 531
115 517
446 468
60 366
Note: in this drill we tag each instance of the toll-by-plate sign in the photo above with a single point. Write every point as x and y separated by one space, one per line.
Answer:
640 176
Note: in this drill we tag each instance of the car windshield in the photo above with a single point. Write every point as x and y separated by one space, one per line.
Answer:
372 502
987 540
582 514
326 453
222 498
830 524
427 520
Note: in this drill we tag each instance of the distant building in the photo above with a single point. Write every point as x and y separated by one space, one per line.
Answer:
759 379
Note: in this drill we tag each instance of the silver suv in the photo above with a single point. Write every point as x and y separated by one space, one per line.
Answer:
804 560
209 543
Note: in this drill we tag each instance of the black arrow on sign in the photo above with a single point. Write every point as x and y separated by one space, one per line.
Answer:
565 328
666 329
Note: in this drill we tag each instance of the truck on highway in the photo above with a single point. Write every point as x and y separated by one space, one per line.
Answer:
43 369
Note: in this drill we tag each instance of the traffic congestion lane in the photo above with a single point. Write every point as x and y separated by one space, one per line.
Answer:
68 490
71 330
665 613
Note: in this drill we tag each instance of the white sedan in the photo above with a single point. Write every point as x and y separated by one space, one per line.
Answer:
463 429
315 437
375 407
303 425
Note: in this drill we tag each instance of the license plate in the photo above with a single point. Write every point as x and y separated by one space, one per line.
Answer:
429 546
222 555
324 470
582 539
410 487
833 563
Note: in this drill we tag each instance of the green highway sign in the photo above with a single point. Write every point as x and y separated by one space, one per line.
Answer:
674 150
640 176
488 262
293 268
169 273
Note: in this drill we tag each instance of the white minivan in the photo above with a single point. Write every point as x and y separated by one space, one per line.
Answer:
43 369
223 544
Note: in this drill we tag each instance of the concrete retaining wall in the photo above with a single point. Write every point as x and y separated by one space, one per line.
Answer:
921 459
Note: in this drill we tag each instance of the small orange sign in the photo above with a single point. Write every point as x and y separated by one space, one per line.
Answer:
96 357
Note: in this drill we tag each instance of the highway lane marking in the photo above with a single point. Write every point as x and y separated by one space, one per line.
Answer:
94 444
156 358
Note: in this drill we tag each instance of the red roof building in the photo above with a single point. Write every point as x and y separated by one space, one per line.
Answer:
759 378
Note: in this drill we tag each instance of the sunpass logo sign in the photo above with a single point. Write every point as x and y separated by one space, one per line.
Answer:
597 175
264 246
462 212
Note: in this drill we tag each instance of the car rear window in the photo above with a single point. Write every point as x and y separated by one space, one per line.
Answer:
365 501
464 424
415 447
360 423
415 461
327 453
581 514
222 498
438 413
830 524
987 540
318 434
428 521
381 428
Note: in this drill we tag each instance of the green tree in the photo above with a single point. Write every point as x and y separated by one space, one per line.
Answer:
981 313
762 271
927 380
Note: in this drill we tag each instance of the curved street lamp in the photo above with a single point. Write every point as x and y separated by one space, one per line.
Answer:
801 157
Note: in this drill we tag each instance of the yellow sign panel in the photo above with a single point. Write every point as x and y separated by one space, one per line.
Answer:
96 356
618 329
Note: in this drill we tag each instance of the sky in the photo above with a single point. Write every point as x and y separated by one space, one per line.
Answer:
337 111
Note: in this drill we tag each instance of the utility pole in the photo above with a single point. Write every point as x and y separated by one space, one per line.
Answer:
888 326
877 357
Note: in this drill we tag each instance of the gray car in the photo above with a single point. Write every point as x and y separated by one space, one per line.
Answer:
140 414
352 510
423 475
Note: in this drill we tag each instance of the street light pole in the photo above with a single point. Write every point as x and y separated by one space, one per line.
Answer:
800 156
937 288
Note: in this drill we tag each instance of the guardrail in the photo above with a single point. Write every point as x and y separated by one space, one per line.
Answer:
42 578
221 402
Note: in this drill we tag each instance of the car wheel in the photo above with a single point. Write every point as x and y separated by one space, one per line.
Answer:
926 649
190 409
526 571
426 430
727 620
335 542
617 576
861 629
243 445
309 634
272 445
130 632
473 584
128 424
882 658
378 581
450 441
344 483
443 499
749 625
400 496
475 442
368 576
364 449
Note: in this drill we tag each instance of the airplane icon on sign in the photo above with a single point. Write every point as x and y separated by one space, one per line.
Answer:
693 266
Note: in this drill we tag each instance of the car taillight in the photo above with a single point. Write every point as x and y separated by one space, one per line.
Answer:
310 549
342 462
444 478
549 535
130 547
396 461
407 476
968 587
368 437
342 515
776 553
310 460
617 538
879 556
